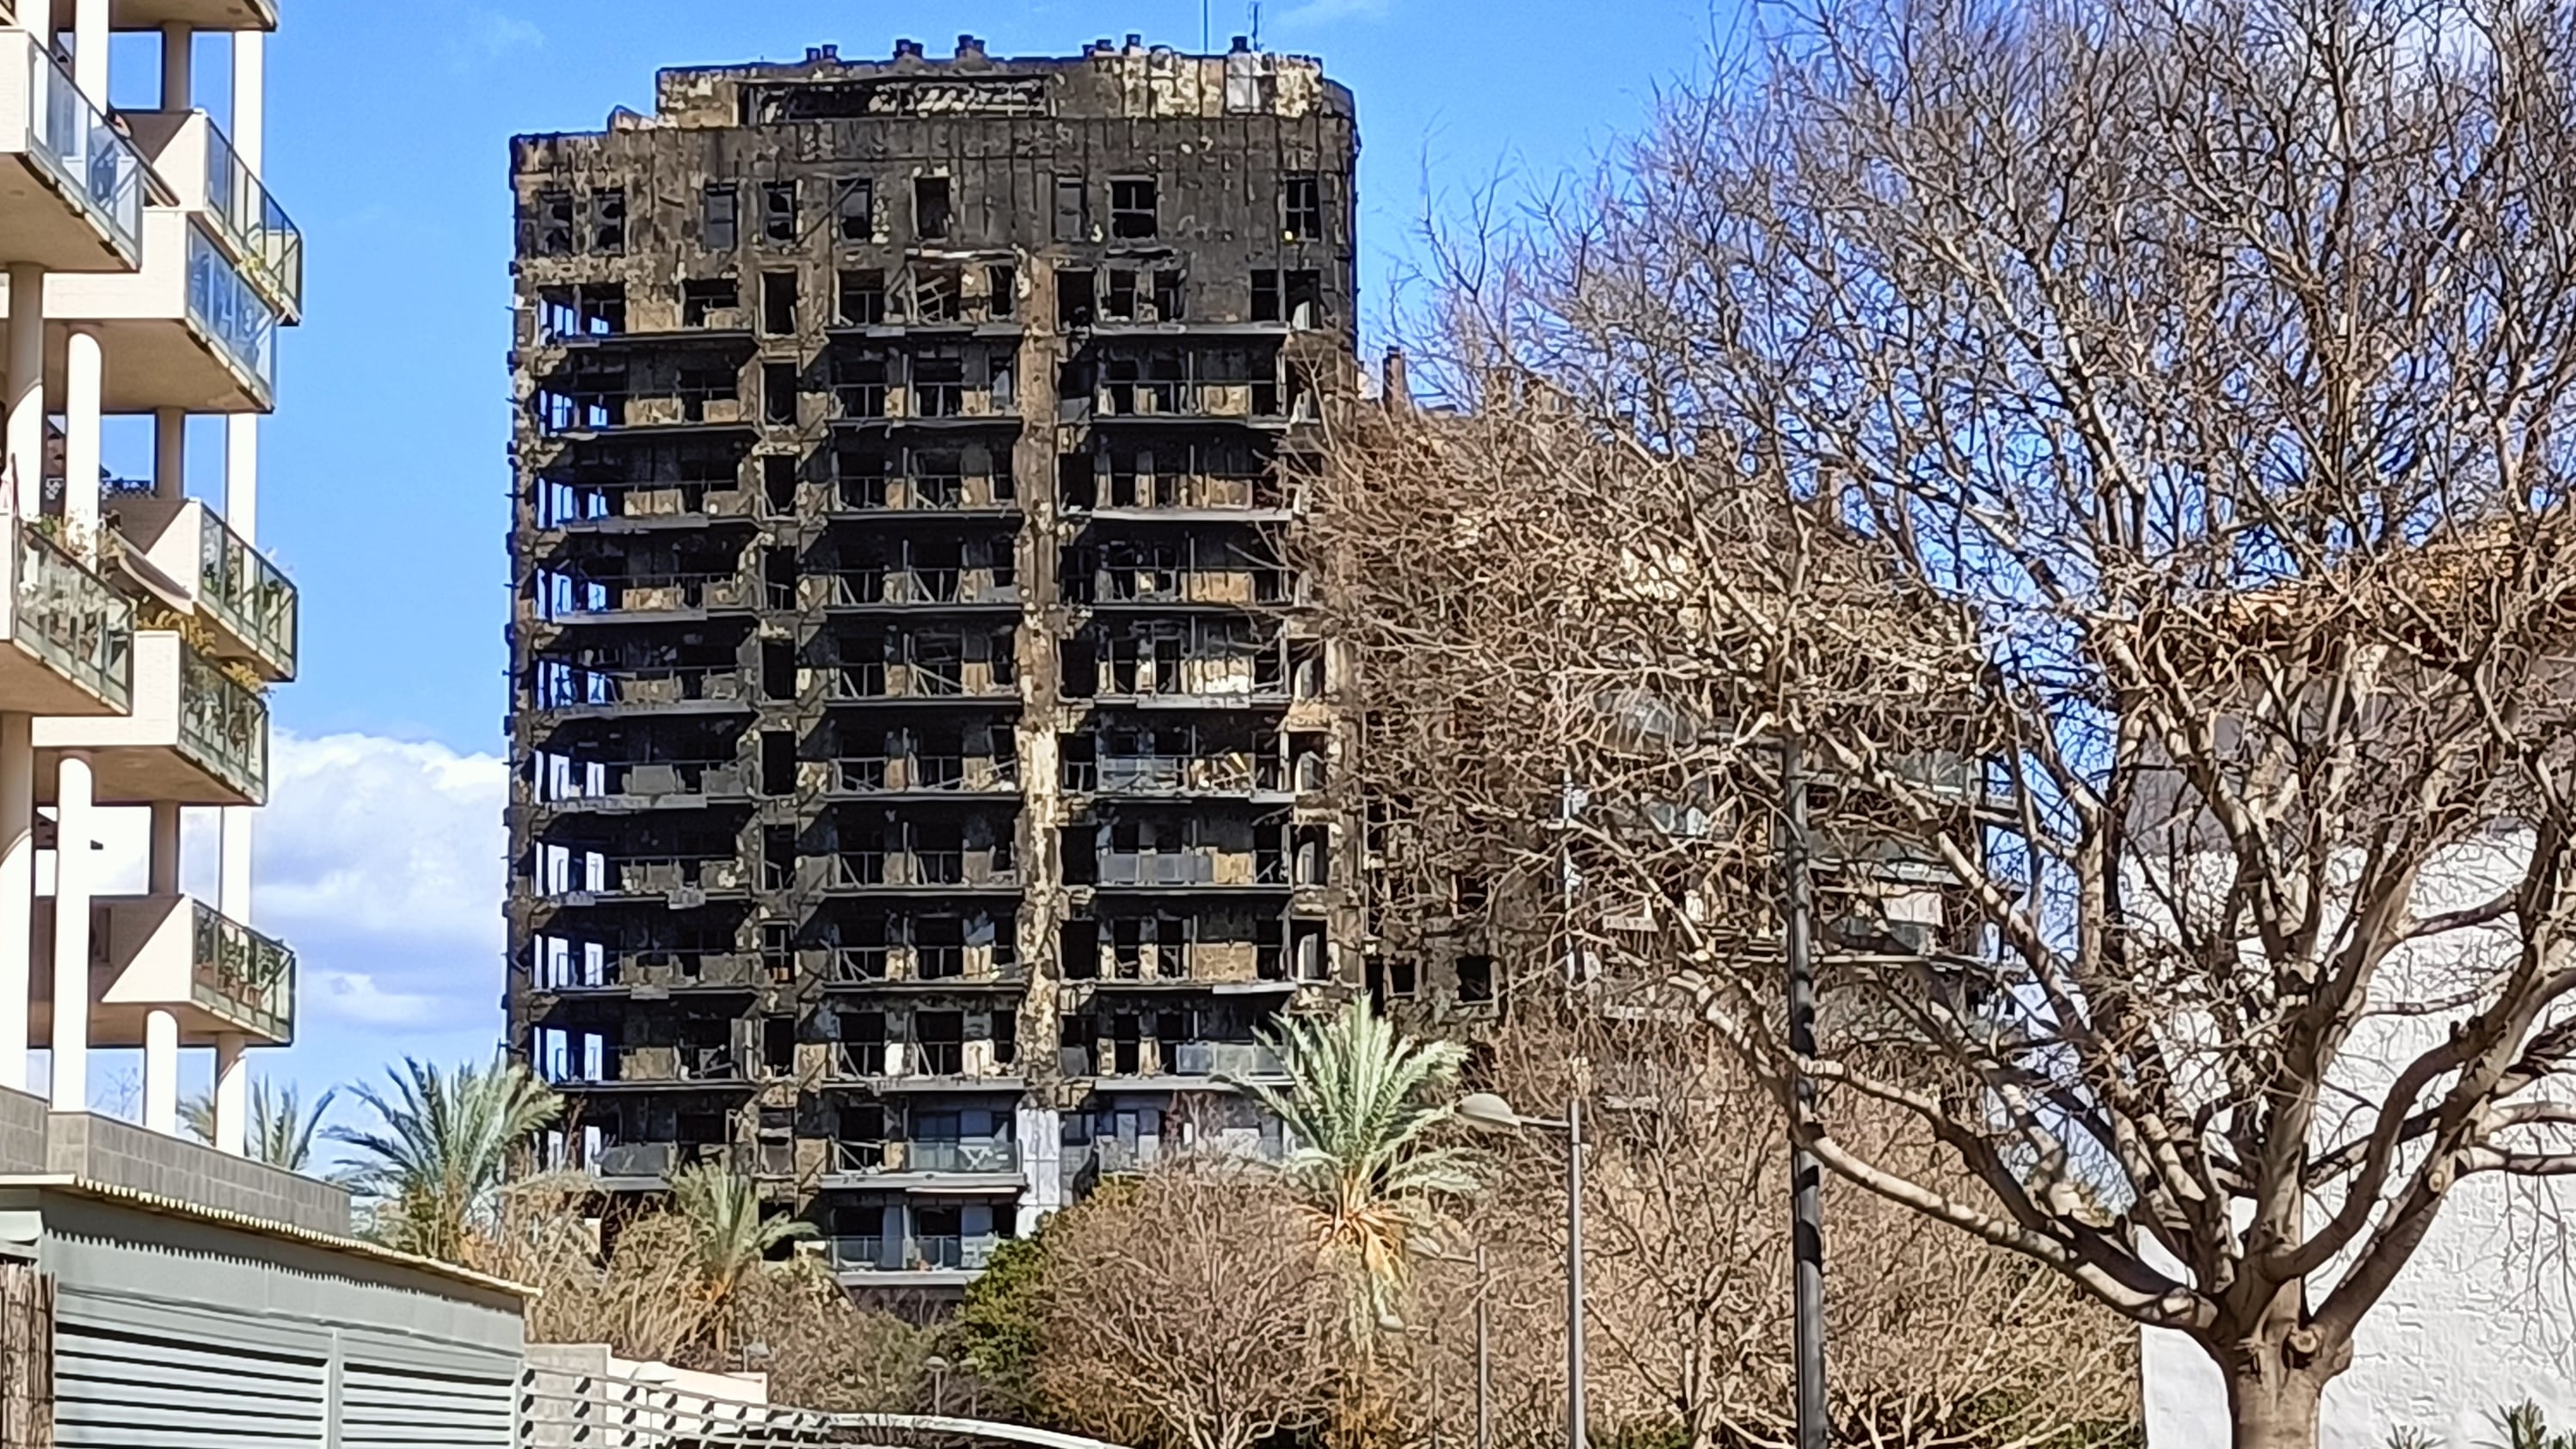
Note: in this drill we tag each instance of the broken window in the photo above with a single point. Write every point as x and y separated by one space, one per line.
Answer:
1131 207
1073 298
777 669
550 219
777 302
1167 296
700 297
1001 290
1301 207
1265 294
930 218
778 212
778 391
1072 209
857 207
778 751
863 298
608 221
719 217
596 309
1475 979
1119 305
778 482
936 296
1304 294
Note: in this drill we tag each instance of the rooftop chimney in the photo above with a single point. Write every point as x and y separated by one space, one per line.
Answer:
904 48
970 47
1239 44
1396 393
1135 42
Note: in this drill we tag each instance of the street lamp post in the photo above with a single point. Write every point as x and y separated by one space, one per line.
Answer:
1486 1110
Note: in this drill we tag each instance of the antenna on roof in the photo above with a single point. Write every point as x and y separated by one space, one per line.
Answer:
1203 27
1256 24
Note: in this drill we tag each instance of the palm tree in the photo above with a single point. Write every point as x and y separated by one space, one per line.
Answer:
727 1234
281 1131
435 1166
1361 1104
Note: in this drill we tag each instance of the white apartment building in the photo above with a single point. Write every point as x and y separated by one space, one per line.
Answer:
148 271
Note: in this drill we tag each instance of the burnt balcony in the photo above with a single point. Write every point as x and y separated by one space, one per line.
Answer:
952 1164
576 407
946 966
1149 776
569 596
922 774
574 691
577 505
926 587
959 1065
951 870
650 1068
647 971
622 786
682 881
918 679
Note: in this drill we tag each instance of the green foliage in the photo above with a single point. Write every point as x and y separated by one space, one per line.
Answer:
996 1329
445 1143
281 1129
1362 1103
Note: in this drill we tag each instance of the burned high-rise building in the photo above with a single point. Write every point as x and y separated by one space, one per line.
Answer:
924 777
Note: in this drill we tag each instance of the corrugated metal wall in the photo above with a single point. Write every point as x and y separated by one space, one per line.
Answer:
382 1407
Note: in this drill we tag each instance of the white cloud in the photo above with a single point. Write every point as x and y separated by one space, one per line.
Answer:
382 862
481 35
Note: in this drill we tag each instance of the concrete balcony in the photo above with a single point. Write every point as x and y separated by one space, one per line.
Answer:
71 189
68 645
197 161
177 954
201 14
183 550
187 331
953 1166
109 1153
196 735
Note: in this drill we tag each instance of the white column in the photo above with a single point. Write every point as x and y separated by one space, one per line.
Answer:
73 872
26 451
178 39
84 380
169 453
161 1072
232 1095
89 50
17 892
250 98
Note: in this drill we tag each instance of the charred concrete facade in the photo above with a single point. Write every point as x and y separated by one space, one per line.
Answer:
926 781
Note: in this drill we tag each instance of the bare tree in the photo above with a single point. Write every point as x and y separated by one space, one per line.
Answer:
1187 1308
2120 447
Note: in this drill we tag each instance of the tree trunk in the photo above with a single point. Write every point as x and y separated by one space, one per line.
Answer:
2271 1405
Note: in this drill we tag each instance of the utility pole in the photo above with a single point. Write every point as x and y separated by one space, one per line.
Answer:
1484 1361
1574 1412
1806 1187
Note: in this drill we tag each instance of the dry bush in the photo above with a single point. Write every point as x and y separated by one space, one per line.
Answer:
1187 1309
1935 1342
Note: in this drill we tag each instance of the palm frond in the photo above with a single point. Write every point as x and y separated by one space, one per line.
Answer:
442 1147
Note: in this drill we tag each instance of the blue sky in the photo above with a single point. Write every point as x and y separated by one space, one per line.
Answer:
384 480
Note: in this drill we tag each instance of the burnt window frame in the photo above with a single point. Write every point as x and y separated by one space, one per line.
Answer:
712 218
1301 218
862 190
946 212
772 218
1123 225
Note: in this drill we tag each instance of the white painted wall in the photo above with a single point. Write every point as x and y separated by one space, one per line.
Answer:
2484 1315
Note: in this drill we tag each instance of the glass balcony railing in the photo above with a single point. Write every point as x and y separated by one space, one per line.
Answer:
253 222
66 617
230 312
247 594
75 140
223 726
243 976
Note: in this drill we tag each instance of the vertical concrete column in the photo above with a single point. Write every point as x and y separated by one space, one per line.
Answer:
162 862
17 892
74 875
89 50
178 71
84 383
26 450
232 1095
161 1072
169 453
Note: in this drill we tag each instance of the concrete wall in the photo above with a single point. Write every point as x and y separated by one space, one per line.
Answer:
22 1131
120 1154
